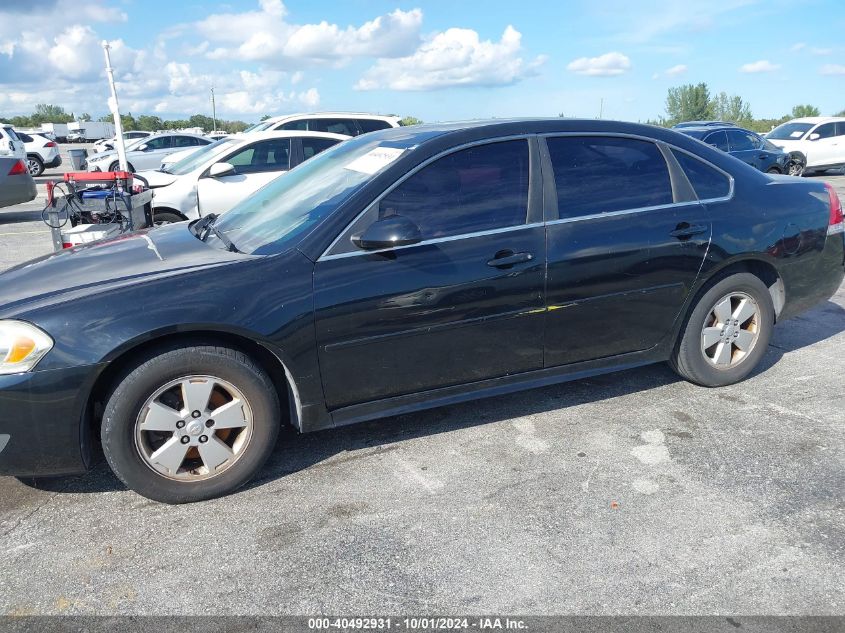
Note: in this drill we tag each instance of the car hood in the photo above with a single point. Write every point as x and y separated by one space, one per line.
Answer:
157 178
165 251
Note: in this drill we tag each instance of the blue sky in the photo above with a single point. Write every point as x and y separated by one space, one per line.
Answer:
434 59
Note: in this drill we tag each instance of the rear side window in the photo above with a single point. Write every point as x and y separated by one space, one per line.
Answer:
26 138
708 182
372 125
300 126
604 174
337 126
475 189
313 146
742 141
828 130
12 134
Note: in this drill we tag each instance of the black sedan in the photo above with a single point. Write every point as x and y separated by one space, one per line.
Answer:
745 145
400 270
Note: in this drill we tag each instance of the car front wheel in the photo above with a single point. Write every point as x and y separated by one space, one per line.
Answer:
190 423
34 165
727 333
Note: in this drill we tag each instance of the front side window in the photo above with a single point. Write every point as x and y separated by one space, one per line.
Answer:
600 174
719 140
480 188
828 130
707 181
742 141
270 155
162 142
200 157
372 125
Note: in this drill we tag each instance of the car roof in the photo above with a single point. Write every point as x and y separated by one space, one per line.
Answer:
684 124
713 128
326 115
817 119
159 134
252 136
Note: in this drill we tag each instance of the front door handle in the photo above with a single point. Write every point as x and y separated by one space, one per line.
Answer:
685 230
506 259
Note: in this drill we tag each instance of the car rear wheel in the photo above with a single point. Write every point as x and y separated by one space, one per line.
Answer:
34 165
727 333
190 423
773 170
160 218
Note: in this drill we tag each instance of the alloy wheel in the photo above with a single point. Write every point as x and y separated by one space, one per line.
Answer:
730 330
193 428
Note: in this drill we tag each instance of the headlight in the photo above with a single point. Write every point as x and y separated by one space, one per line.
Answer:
21 346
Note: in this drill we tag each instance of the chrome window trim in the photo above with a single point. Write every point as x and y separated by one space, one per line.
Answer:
593 216
425 163
436 240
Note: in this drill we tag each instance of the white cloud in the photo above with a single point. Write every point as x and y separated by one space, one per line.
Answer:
607 65
821 52
266 36
832 69
763 66
797 47
455 57
674 71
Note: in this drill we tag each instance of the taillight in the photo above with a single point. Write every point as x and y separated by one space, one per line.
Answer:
836 224
49 144
18 168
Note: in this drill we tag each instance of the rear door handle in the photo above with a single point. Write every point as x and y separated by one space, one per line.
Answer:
506 259
684 230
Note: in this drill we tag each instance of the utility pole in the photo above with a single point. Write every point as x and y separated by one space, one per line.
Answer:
115 110
601 107
213 110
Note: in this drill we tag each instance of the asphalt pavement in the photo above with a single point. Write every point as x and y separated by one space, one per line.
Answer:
631 493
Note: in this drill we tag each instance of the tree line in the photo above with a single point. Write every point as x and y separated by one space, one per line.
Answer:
693 102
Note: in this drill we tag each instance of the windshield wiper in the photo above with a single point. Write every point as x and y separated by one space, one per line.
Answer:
208 227
200 225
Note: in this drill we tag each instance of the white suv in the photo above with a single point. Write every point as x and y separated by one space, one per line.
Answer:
816 142
41 153
10 144
346 123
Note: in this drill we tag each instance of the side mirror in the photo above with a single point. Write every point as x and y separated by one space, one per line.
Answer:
387 233
221 169
814 136
143 147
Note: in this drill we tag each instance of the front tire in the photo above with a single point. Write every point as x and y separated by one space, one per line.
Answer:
115 166
773 170
160 218
190 423
727 332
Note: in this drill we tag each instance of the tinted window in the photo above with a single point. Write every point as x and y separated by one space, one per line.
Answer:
162 142
742 141
719 140
371 125
12 134
312 146
26 138
294 125
269 155
828 130
338 126
603 174
707 181
840 128
184 141
475 189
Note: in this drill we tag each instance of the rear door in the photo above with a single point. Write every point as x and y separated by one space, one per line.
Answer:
255 165
626 241
463 305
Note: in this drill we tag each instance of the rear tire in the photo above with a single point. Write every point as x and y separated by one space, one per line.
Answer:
160 218
773 170
727 332
159 434
34 165
115 166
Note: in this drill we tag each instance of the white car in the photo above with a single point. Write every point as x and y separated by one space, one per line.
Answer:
147 153
10 145
106 144
218 176
817 143
41 153
348 123
174 158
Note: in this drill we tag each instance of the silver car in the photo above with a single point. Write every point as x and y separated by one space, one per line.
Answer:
16 185
147 153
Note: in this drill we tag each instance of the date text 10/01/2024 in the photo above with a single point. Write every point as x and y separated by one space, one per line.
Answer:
417 624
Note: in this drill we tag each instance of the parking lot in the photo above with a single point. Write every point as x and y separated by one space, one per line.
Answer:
630 493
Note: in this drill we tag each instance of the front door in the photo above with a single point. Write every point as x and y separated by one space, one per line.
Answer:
255 165
623 254
465 304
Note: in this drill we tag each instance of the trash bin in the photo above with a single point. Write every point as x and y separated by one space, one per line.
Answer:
78 158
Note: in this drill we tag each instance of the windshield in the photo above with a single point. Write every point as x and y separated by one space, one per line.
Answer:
258 127
790 131
201 156
295 202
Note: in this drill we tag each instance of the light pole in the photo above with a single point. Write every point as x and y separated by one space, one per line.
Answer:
213 110
115 110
